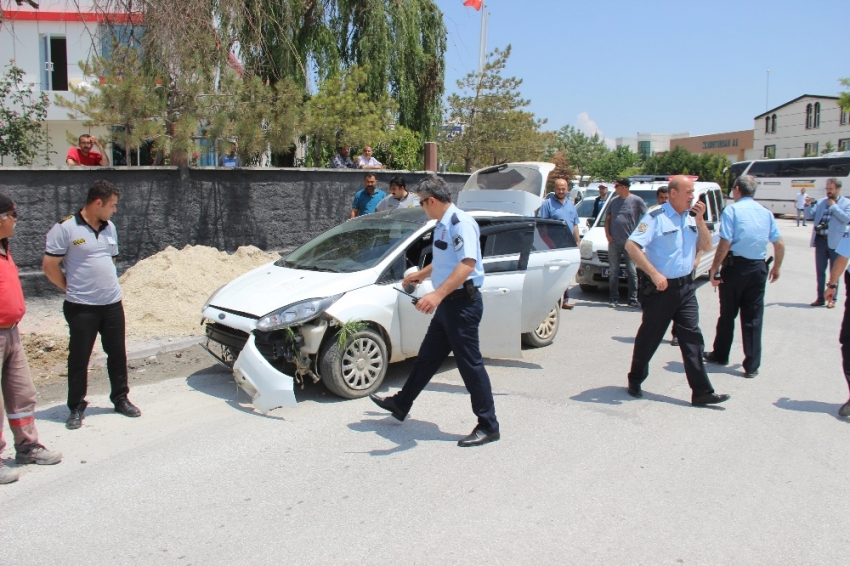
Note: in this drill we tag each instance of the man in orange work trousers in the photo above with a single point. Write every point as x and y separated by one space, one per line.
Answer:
17 391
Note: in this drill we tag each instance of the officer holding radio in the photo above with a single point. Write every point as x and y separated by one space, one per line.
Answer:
745 229
664 246
457 273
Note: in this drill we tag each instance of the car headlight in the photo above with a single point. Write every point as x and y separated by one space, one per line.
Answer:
210 300
586 249
296 313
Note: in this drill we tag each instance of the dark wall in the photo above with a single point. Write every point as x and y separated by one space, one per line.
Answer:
273 209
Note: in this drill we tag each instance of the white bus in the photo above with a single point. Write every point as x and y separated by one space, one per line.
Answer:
779 180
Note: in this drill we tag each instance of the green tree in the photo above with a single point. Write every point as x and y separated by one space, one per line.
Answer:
613 164
580 149
562 170
844 96
680 161
22 116
402 149
827 148
496 128
341 113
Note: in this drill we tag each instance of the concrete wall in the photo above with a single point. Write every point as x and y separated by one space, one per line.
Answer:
273 209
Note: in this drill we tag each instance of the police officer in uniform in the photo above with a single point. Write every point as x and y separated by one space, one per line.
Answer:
457 273
664 246
745 229
842 255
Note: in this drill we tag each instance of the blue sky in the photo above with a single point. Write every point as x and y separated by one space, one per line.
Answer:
665 66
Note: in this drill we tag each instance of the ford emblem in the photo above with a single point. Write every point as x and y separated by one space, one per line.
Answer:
221 316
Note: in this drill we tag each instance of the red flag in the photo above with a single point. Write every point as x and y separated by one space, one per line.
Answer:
474 4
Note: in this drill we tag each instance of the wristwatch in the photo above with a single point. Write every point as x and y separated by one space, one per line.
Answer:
831 286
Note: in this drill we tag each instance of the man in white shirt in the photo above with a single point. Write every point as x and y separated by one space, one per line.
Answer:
399 197
366 161
801 206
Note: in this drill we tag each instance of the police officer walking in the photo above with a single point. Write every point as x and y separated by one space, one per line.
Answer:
664 246
843 254
87 244
457 273
745 229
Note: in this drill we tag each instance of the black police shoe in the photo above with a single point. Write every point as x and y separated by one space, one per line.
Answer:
75 419
751 374
674 341
708 399
126 408
388 404
634 391
712 359
844 411
478 437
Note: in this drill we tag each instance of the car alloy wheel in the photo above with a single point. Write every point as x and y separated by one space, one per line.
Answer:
362 363
356 370
546 331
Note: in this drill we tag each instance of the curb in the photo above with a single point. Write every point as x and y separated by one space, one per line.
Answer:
172 346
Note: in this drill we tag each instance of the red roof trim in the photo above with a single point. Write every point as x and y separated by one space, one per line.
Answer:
96 17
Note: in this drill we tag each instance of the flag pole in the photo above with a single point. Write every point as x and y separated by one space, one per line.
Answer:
482 47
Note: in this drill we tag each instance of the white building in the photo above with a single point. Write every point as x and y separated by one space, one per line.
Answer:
650 144
48 44
800 128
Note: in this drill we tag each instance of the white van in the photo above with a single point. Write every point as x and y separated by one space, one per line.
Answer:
593 271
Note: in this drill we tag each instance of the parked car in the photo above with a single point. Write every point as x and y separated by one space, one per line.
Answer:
593 272
332 310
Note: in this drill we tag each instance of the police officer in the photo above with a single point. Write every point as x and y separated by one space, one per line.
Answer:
745 229
842 254
456 272
87 243
664 246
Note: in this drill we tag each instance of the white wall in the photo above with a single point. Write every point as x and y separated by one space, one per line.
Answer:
791 133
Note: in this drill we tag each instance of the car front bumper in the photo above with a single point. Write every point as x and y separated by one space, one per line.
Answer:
591 274
267 387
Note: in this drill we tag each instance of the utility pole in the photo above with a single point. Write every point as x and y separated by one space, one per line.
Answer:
767 93
482 47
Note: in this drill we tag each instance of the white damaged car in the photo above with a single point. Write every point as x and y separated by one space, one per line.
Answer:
332 310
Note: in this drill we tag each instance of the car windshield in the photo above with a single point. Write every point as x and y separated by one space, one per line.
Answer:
648 196
357 244
503 177
585 207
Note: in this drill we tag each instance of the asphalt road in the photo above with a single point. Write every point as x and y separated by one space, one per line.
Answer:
583 474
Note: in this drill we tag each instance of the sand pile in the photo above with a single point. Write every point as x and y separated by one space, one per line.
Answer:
164 293
45 351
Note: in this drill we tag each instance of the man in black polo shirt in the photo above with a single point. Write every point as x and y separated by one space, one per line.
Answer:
87 243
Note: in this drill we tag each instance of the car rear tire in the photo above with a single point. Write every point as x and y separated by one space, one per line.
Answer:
546 332
588 288
358 369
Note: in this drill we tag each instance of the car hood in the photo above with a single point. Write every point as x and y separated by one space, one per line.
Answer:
270 287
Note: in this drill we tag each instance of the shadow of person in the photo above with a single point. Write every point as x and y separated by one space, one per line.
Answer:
731 369
614 395
624 339
405 435
790 305
59 413
830 409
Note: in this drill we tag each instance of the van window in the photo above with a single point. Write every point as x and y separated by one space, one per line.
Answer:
765 169
735 171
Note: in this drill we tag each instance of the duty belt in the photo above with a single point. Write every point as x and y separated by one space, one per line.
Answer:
680 281
468 291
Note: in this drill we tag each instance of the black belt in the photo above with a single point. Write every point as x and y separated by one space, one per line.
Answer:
458 294
680 281
742 259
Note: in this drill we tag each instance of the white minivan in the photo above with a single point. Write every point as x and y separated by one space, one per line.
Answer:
593 271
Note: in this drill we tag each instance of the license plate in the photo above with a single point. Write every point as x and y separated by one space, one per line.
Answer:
605 272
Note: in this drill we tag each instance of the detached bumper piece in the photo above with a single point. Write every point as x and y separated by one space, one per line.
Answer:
267 387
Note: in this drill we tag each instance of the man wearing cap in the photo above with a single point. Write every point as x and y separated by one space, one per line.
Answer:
17 392
599 202
87 244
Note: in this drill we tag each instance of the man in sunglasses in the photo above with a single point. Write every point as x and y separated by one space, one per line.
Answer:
17 392
457 273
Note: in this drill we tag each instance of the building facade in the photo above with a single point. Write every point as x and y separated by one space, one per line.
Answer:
647 144
734 145
806 126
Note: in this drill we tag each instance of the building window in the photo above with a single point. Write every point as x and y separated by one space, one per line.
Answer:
773 125
843 118
770 152
808 116
54 62
767 125
810 150
644 149
816 121
844 145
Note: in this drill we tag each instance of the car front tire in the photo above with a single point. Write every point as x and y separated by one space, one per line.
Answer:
358 369
545 333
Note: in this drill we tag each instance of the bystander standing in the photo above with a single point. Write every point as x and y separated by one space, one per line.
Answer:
84 155
832 215
366 199
399 196
366 161
622 217
558 206
341 159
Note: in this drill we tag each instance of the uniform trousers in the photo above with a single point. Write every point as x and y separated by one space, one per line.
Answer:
823 255
454 329
18 392
844 337
85 322
742 290
677 303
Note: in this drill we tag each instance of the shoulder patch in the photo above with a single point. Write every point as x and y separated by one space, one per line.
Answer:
656 212
455 219
70 216
642 227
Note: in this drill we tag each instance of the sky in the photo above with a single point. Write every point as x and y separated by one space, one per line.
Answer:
663 66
